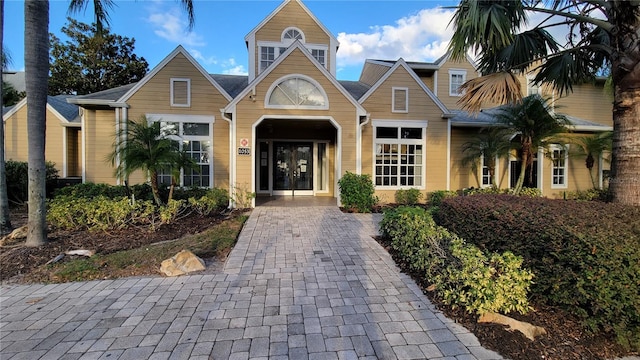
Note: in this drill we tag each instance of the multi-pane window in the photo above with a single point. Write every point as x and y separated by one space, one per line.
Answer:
400 100
298 93
559 167
268 55
456 79
195 142
486 175
319 54
292 34
532 87
180 92
399 158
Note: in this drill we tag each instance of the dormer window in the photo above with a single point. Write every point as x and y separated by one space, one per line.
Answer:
291 34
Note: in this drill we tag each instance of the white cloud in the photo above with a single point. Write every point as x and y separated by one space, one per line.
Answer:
423 36
202 59
173 28
231 67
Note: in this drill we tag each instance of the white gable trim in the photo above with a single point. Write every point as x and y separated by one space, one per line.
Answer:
162 64
22 104
251 34
296 45
415 77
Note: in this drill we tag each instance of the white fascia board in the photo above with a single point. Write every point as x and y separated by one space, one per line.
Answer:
14 109
296 45
593 128
415 77
90 101
162 64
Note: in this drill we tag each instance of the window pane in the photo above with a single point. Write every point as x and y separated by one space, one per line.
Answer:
199 129
386 133
412 133
399 100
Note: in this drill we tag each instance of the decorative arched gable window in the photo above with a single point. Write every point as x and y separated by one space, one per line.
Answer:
291 33
297 92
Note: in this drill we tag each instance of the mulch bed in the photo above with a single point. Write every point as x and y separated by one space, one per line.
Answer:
565 339
19 260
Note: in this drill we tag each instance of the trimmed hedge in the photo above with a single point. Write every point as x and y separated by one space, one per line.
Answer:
585 255
462 274
357 192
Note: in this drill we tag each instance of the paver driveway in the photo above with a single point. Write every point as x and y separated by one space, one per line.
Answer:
302 283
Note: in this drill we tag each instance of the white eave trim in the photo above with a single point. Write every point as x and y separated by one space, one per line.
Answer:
594 128
230 108
89 101
14 109
415 77
162 64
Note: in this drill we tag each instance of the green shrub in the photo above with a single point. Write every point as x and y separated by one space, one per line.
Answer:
170 212
408 196
463 275
212 201
99 213
17 173
481 283
435 198
530 192
585 255
587 195
90 190
357 192
485 190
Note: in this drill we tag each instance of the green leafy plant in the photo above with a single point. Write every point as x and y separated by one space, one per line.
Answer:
242 197
170 212
17 179
357 192
408 196
213 201
585 255
435 198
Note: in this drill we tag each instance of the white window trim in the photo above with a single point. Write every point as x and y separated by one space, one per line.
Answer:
393 100
529 82
457 72
289 41
482 166
553 148
286 44
190 119
188 81
400 124
304 107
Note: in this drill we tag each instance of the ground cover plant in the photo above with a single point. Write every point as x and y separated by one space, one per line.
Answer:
585 255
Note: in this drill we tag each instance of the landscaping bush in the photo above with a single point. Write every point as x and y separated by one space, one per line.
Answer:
435 198
98 213
462 274
587 195
357 192
408 196
17 173
212 201
585 255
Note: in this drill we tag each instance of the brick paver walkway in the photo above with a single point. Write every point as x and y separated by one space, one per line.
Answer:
302 283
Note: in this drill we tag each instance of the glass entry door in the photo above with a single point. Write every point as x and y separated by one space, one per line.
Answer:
293 167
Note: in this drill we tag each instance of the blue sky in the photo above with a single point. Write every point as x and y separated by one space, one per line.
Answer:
413 30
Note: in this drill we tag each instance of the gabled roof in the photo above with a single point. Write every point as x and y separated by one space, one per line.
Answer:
162 64
232 84
487 118
277 10
355 88
402 63
58 105
108 96
296 45
422 65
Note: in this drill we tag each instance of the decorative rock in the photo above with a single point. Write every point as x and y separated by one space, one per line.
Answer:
530 331
17 234
182 263
87 253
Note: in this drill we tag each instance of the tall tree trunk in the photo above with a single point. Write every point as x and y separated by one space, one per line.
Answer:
36 61
154 187
5 220
624 184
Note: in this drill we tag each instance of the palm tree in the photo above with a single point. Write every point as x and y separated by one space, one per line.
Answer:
183 161
490 144
37 70
537 126
5 219
592 147
143 146
603 34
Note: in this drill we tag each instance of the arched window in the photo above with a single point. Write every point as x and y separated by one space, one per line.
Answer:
291 34
297 92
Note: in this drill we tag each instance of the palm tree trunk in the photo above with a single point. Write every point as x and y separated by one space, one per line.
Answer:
523 173
36 59
624 185
154 188
5 219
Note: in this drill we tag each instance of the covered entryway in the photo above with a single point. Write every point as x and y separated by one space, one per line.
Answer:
296 157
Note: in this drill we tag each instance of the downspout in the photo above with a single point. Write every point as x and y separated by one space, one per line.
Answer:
232 165
125 129
448 154
600 176
118 134
359 142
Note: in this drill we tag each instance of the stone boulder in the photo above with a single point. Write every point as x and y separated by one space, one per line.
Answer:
181 263
15 237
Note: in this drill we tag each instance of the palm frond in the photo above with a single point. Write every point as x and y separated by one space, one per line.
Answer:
188 7
101 10
497 88
527 47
